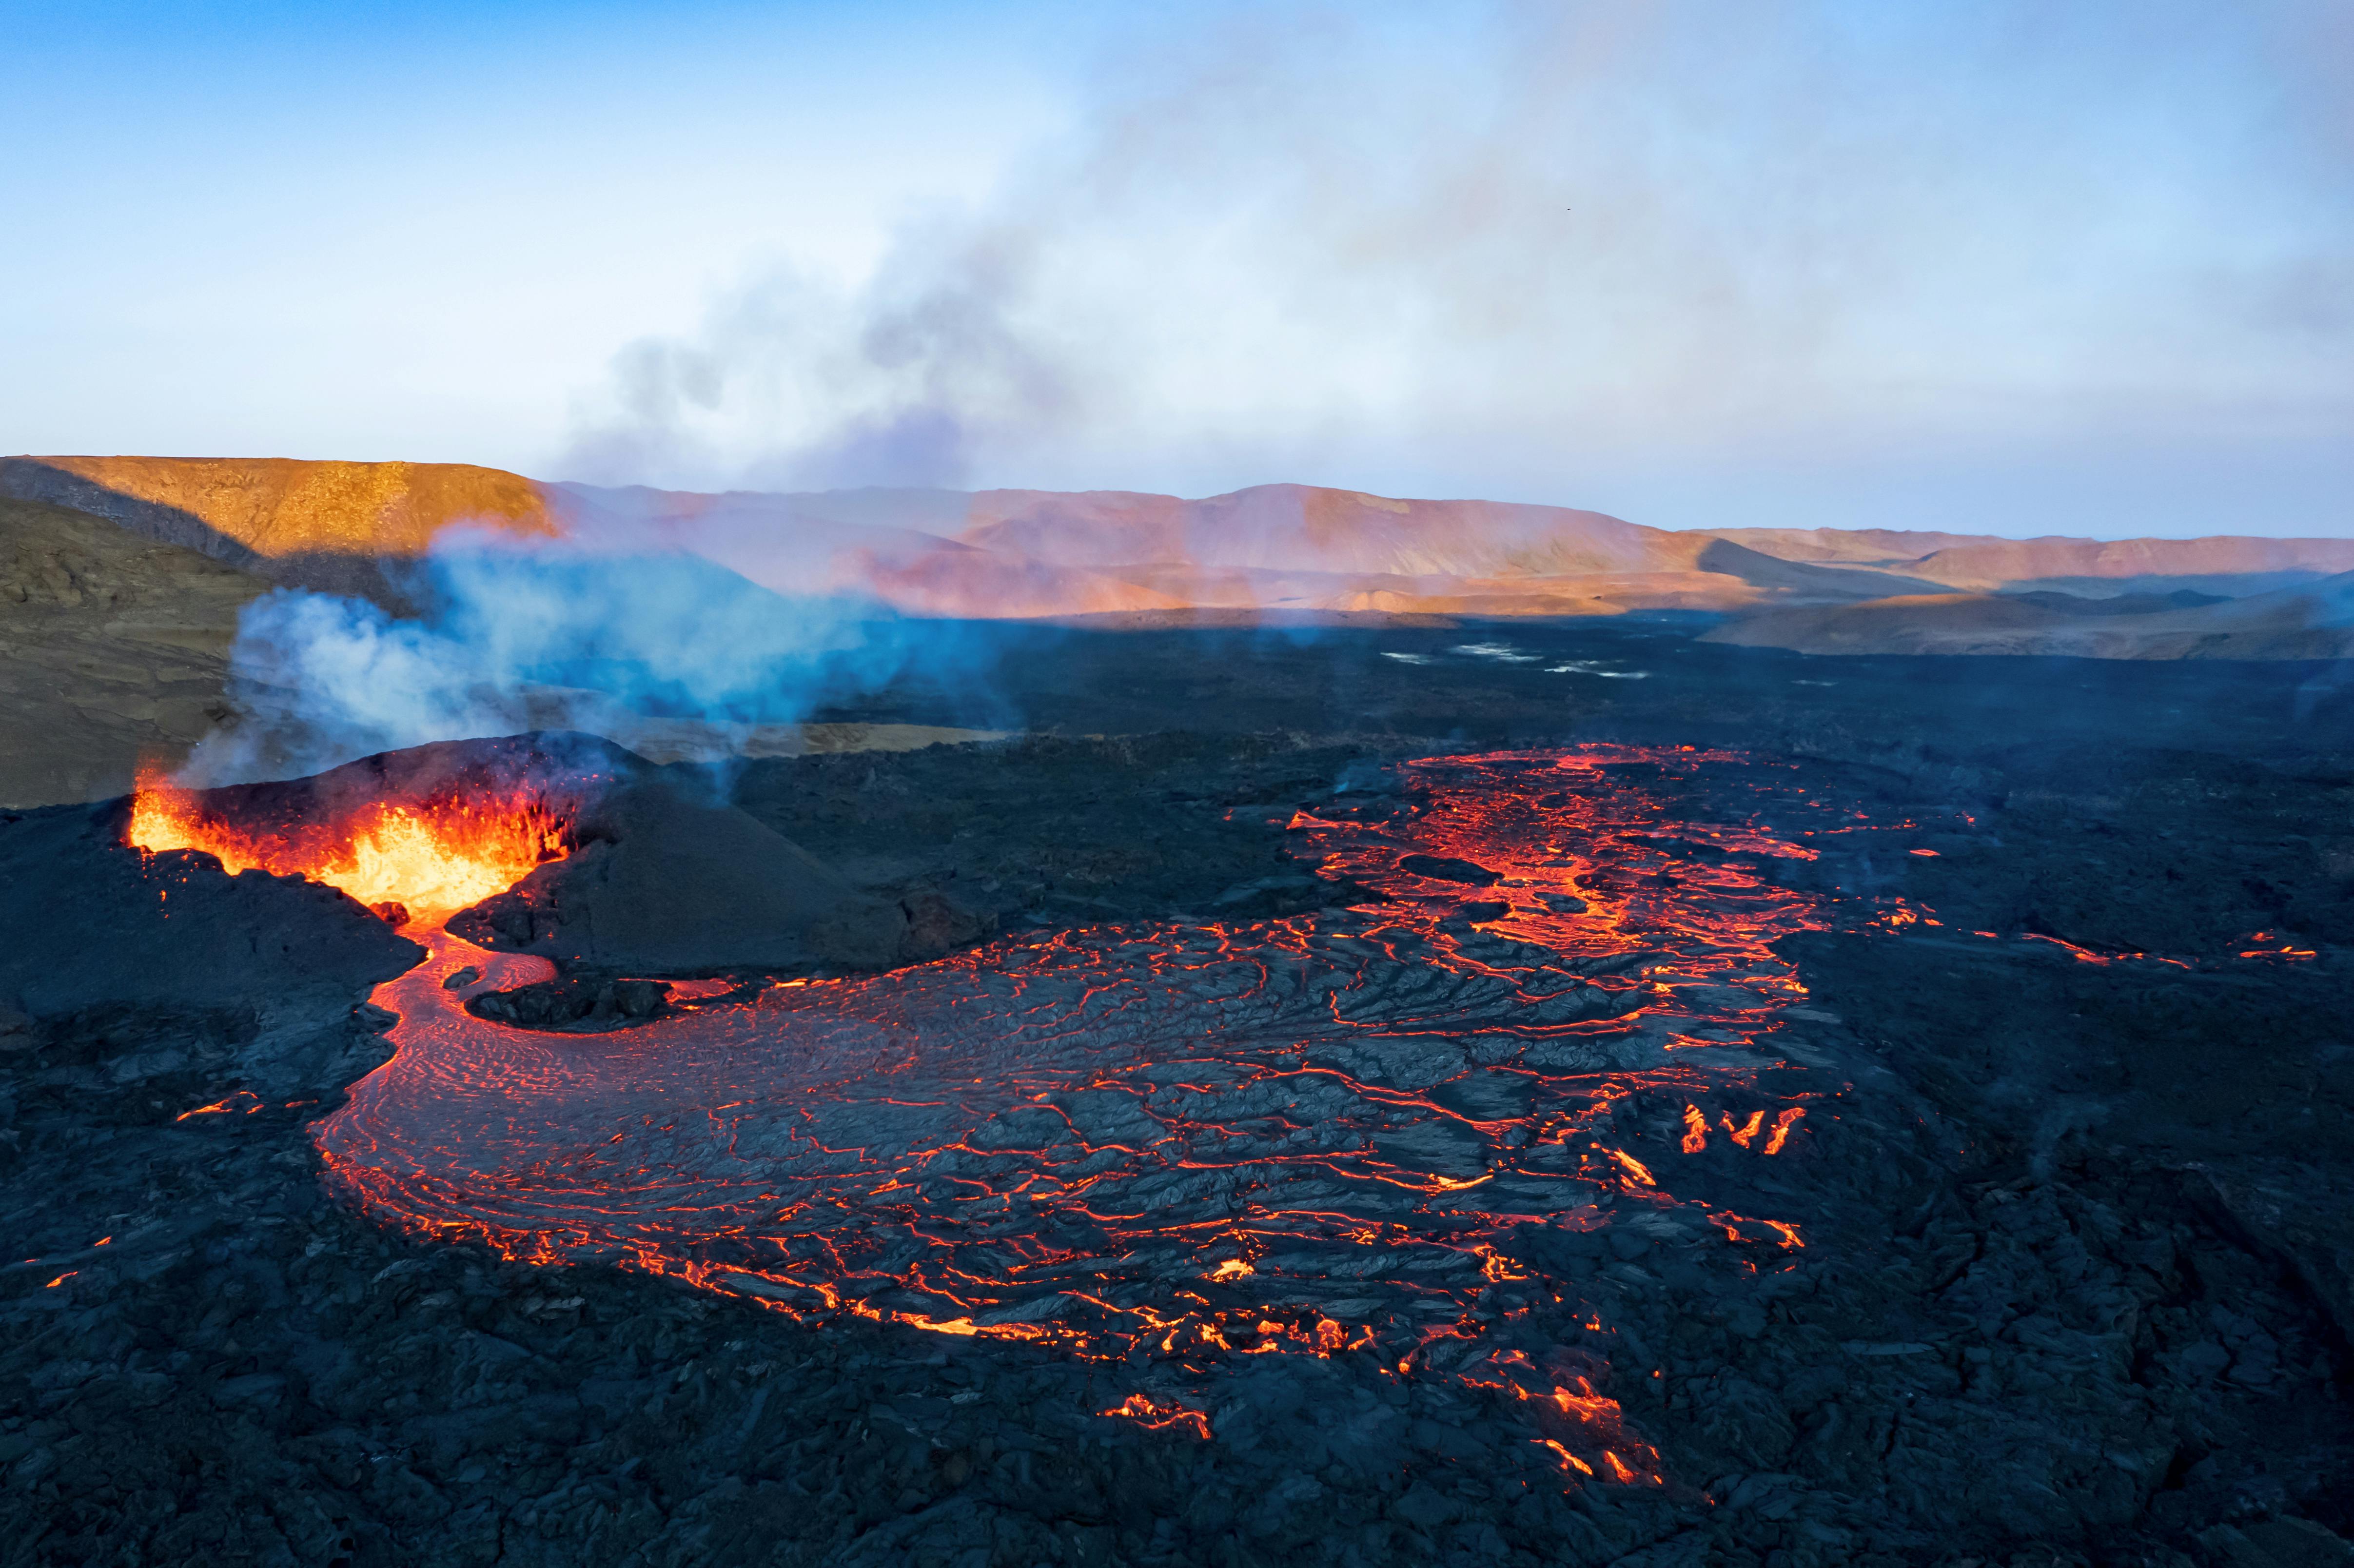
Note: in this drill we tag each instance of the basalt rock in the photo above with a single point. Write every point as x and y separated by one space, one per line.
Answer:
937 926
89 925
661 882
574 1003
1445 868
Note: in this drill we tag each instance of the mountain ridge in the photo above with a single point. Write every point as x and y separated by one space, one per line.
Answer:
1032 554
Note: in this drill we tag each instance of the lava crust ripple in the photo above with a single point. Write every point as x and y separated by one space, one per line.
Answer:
1395 1131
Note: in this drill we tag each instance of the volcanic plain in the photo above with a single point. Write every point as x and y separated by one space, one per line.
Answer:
1543 1091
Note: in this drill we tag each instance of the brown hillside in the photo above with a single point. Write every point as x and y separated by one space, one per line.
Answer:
1307 528
321 524
1019 553
112 648
1986 565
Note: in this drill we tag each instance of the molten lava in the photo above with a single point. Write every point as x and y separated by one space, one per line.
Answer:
1375 1133
432 858
1161 1415
1431 1132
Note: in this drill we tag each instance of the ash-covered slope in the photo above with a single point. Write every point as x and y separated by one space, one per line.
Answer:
2240 564
1321 539
1300 547
665 883
799 544
2222 565
1304 528
1012 554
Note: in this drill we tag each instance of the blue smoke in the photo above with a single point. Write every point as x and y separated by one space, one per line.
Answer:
514 640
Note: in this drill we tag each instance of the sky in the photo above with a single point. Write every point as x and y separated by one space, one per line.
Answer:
1994 266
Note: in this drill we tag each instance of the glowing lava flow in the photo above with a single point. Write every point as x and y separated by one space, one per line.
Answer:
1400 1132
428 859
1404 1132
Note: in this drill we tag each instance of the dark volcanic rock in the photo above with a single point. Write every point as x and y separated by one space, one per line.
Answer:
1043 830
89 927
574 1001
659 881
564 769
2069 1301
937 926
1442 868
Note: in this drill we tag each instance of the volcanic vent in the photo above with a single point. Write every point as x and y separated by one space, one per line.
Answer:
417 834
1412 1135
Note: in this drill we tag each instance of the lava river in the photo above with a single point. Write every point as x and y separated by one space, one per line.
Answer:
1400 1132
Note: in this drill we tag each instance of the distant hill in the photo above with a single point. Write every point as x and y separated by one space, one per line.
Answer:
1285 547
1041 554
315 524
2311 620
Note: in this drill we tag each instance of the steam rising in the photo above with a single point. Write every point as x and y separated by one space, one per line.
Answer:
1585 253
549 637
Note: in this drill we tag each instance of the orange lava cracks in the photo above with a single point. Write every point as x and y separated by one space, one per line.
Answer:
1573 1416
2270 946
431 858
1401 1132
244 1102
1161 1415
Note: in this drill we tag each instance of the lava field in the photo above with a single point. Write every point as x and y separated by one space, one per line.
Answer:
1388 1137
1344 1148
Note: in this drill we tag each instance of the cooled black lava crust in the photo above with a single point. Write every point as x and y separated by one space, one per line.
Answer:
2106 1320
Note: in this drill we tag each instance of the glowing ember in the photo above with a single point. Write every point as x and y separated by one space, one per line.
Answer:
430 859
1695 1129
244 1102
1635 1168
1568 1460
1159 1415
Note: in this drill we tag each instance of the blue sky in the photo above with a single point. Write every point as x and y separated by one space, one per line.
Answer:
2018 268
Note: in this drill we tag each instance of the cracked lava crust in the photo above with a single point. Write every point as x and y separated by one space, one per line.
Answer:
1411 1131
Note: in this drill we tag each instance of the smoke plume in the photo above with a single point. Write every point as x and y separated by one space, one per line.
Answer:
1597 254
545 638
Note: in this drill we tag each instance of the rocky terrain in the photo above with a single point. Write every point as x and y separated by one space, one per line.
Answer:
2074 1287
